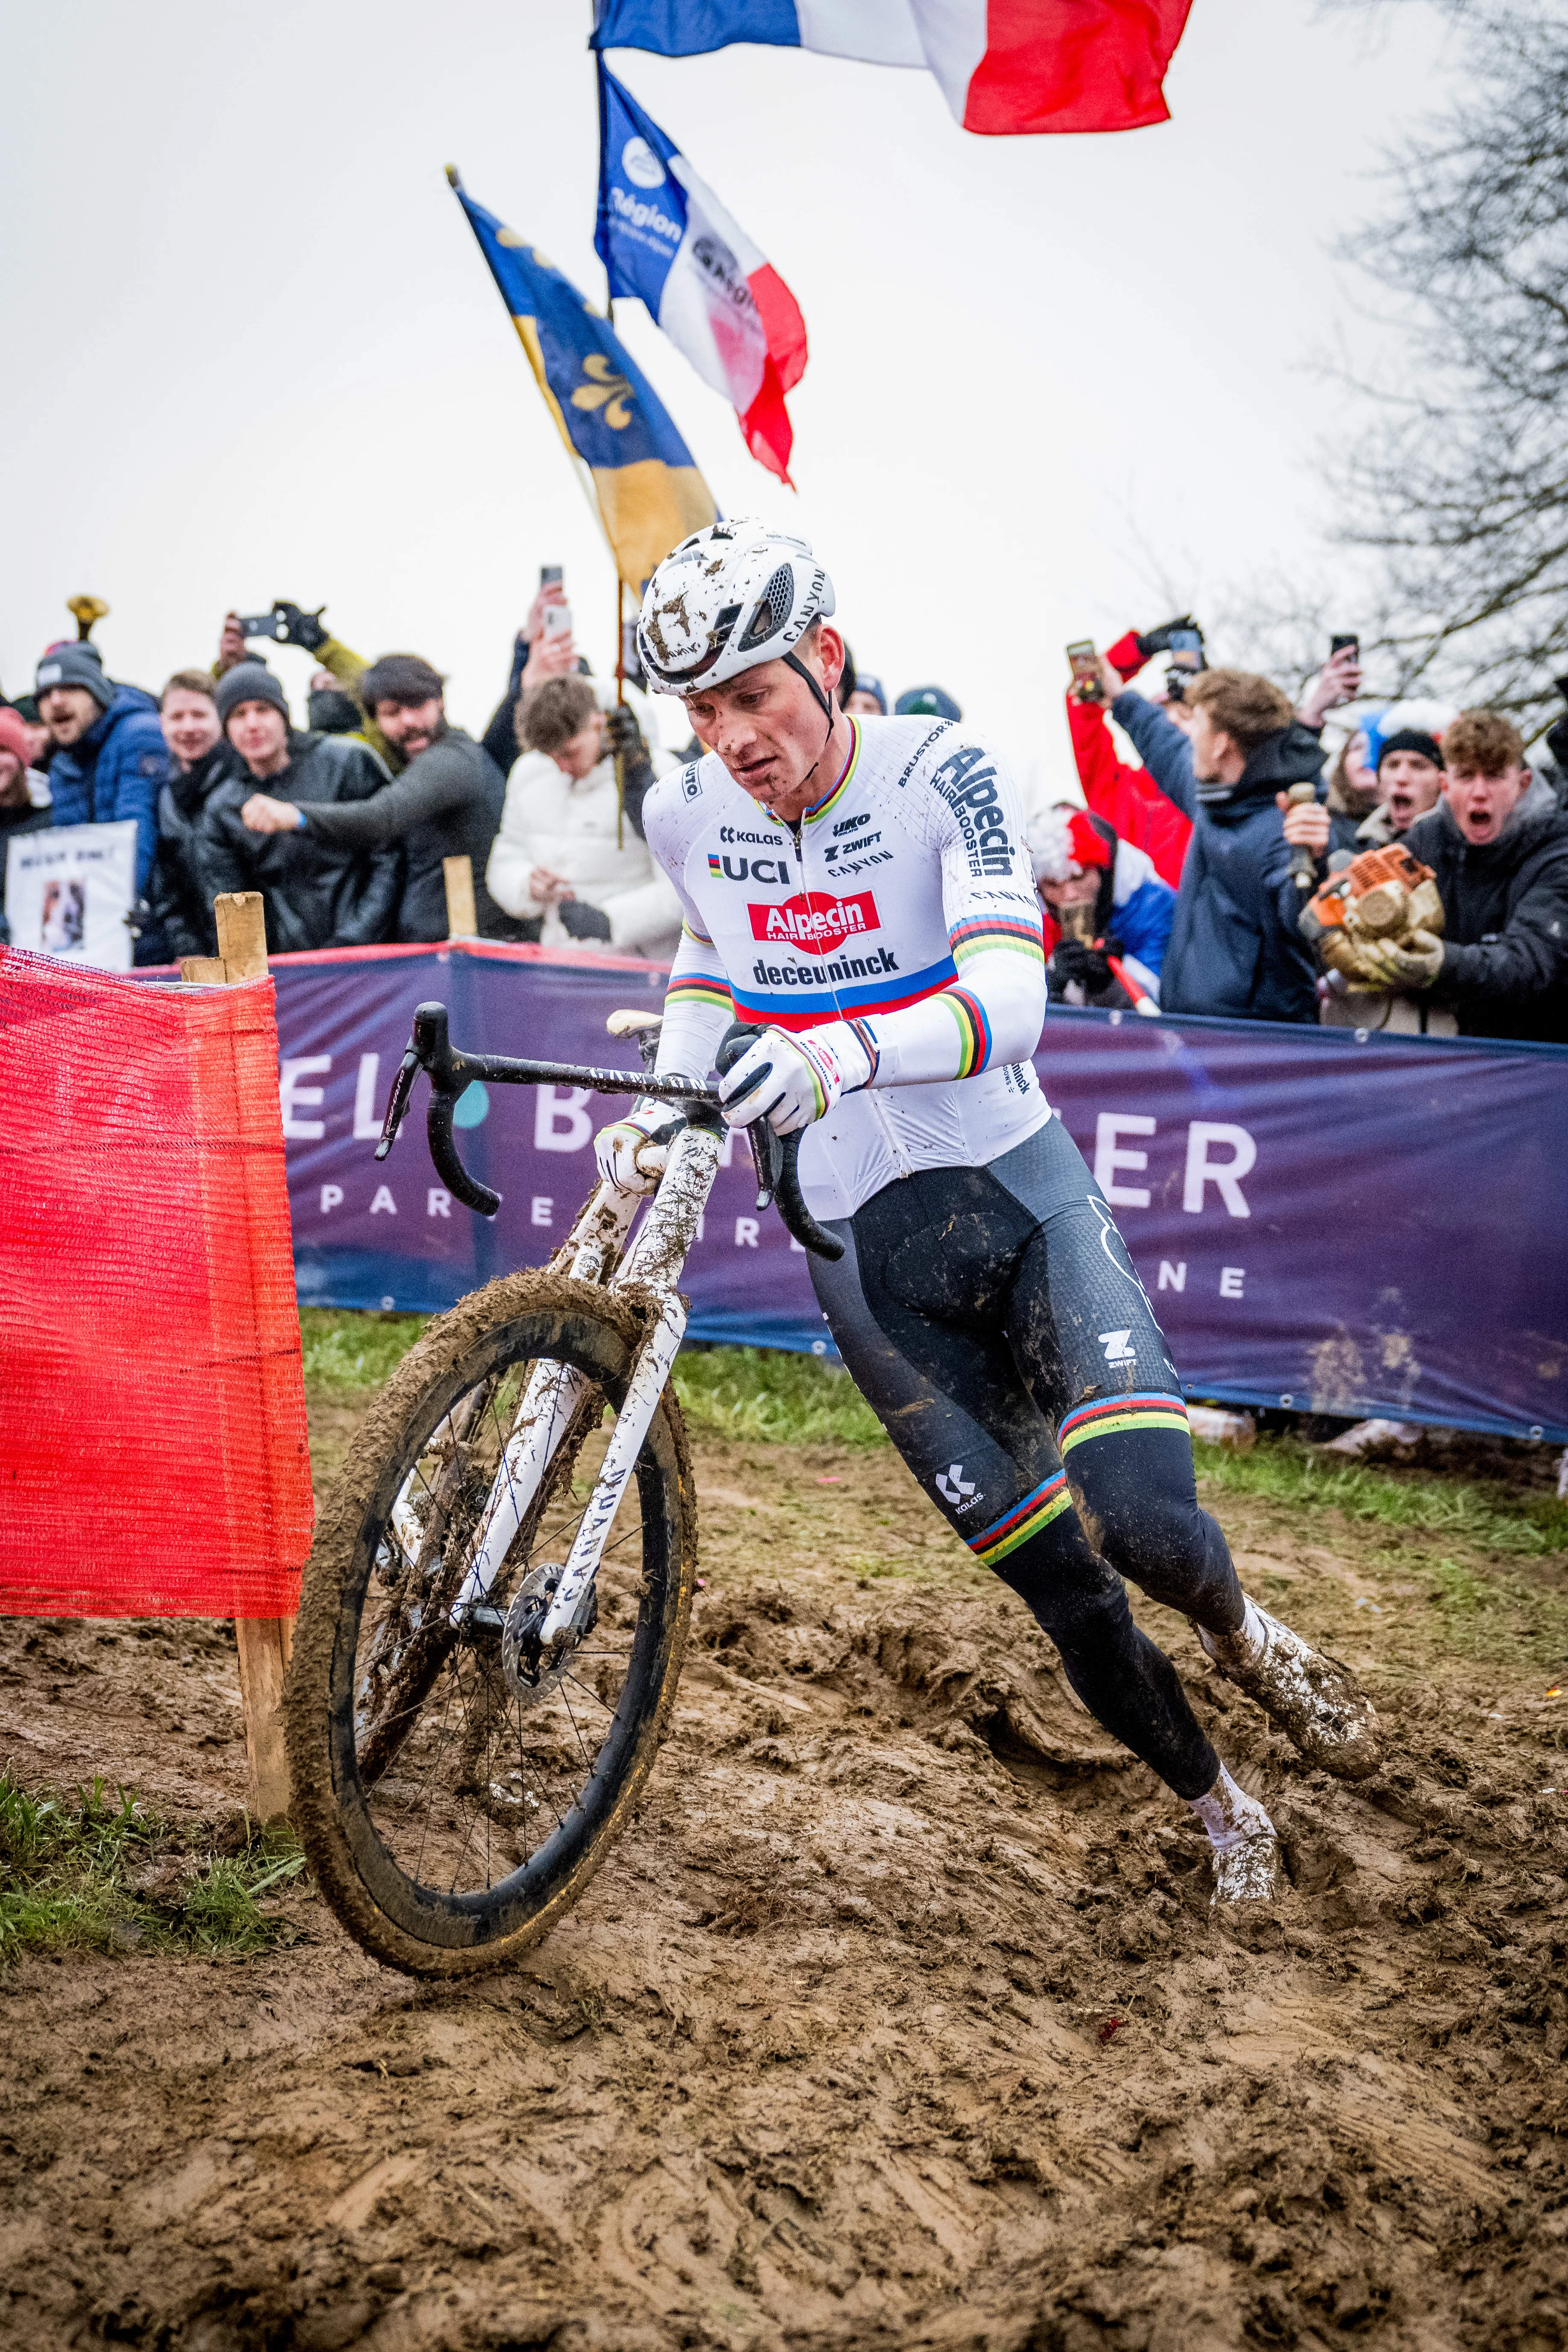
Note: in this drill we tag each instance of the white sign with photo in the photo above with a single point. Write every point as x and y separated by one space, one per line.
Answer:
69 891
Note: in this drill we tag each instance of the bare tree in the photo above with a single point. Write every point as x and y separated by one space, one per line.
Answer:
1460 484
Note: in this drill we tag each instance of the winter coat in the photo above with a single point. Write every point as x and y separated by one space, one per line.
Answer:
179 921
447 802
316 896
1235 948
1505 918
115 771
553 820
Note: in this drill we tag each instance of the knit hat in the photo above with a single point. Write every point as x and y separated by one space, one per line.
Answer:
1410 738
865 684
77 665
12 734
1068 841
248 681
926 702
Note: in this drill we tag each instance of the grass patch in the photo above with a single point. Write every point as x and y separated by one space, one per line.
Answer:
1487 1617
769 1393
348 1352
1280 1471
101 1874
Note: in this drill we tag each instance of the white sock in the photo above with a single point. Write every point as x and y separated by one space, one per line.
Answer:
1229 1814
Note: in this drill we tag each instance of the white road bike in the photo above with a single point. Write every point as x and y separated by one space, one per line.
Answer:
495 1611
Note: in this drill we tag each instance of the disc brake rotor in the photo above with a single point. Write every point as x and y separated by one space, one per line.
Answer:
530 1677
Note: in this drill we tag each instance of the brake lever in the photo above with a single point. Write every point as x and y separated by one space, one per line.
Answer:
776 1160
397 1101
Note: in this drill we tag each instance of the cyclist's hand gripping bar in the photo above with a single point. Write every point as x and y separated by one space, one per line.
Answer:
776 1158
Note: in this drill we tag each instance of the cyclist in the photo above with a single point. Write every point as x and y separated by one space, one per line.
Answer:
860 890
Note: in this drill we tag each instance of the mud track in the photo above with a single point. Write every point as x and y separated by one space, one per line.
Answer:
900 2019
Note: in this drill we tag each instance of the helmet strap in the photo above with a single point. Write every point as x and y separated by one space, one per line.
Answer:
823 701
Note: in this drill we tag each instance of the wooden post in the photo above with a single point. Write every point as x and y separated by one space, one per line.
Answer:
462 914
264 1644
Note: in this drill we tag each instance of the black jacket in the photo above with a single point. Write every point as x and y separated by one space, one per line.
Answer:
1505 919
27 819
179 920
447 802
317 896
1235 948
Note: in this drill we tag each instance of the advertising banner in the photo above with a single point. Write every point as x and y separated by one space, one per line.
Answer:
1321 1220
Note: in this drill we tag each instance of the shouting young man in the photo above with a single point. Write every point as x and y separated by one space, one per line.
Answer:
861 892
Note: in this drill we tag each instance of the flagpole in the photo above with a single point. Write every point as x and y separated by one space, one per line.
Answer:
620 700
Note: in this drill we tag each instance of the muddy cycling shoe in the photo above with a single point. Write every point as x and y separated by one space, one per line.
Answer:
1313 1700
1248 1866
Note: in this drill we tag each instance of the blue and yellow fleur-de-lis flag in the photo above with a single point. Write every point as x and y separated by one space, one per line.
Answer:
650 493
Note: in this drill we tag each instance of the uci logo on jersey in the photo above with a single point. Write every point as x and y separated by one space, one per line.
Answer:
812 920
755 869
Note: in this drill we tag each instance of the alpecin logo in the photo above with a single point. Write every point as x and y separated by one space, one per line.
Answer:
812 920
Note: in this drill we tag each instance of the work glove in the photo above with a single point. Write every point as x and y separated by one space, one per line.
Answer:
1158 641
1073 960
632 1154
623 740
791 1081
581 921
1416 964
299 627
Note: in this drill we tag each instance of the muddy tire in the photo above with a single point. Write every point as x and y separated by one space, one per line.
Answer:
449 1823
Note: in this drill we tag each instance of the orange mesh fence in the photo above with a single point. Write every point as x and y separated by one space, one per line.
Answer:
153 1456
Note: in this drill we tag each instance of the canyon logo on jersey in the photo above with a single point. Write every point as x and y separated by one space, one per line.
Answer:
816 920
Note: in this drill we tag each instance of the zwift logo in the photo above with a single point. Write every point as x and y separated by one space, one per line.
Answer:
813 919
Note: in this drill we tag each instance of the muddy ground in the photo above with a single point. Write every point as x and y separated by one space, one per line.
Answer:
899 2019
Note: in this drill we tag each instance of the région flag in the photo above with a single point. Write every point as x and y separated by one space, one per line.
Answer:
1004 66
664 236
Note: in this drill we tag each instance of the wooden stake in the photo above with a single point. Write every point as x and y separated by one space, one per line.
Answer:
264 1644
462 914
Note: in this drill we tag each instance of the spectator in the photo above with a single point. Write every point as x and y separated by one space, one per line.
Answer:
447 802
1235 945
1498 845
547 657
1353 793
24 796
926 702
316 896
565 853
1079 864
1127 797
868 696
178 916
1409 780
330 709
329 704
109 761
40 742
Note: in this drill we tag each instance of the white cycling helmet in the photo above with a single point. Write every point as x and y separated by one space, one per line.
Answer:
727 598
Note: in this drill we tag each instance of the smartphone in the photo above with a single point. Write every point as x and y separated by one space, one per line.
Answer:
558 620
1085 661
1186 649
261 624
549 576
1338 645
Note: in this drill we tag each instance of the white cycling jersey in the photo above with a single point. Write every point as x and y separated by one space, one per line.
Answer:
902 905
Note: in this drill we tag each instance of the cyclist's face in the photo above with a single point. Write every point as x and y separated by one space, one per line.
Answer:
768 726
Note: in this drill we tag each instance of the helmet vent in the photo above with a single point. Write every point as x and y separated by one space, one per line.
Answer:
773 610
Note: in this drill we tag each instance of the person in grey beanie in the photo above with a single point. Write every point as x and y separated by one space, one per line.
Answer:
110 758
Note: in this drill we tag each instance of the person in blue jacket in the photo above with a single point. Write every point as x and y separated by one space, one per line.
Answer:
1081 862
1234 948
110 759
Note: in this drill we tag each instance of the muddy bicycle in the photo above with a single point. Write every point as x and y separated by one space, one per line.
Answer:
495 1611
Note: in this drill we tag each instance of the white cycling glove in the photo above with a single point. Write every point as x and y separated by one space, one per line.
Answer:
632 1153
791 1081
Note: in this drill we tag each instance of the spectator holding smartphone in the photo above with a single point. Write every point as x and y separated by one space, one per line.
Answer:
538 652
1127 797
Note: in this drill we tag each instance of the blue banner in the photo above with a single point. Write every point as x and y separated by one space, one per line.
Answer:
1321 1221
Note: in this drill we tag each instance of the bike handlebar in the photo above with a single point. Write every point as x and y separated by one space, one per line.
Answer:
451 1073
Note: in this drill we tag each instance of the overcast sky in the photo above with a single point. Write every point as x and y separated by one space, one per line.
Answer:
254 351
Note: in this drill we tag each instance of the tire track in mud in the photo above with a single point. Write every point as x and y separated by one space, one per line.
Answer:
898 2017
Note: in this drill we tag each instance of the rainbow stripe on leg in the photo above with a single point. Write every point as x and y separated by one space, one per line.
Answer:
1111 1416
1027 1518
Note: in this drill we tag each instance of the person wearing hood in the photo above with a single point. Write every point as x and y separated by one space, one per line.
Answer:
110 759
1235 948
317 895
1497 844
23 794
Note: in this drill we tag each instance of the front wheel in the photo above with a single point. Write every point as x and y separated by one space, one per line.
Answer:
451 1814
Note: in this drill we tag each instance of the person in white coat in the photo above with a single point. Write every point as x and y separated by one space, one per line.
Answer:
566 850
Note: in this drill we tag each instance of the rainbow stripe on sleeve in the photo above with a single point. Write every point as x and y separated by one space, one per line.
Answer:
973 1030
985 932
1113 1416
1027 1518
702 988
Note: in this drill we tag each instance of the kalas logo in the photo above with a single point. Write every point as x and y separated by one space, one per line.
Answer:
812 920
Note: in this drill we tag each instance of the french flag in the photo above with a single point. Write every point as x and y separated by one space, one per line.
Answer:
1004 66
664 236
